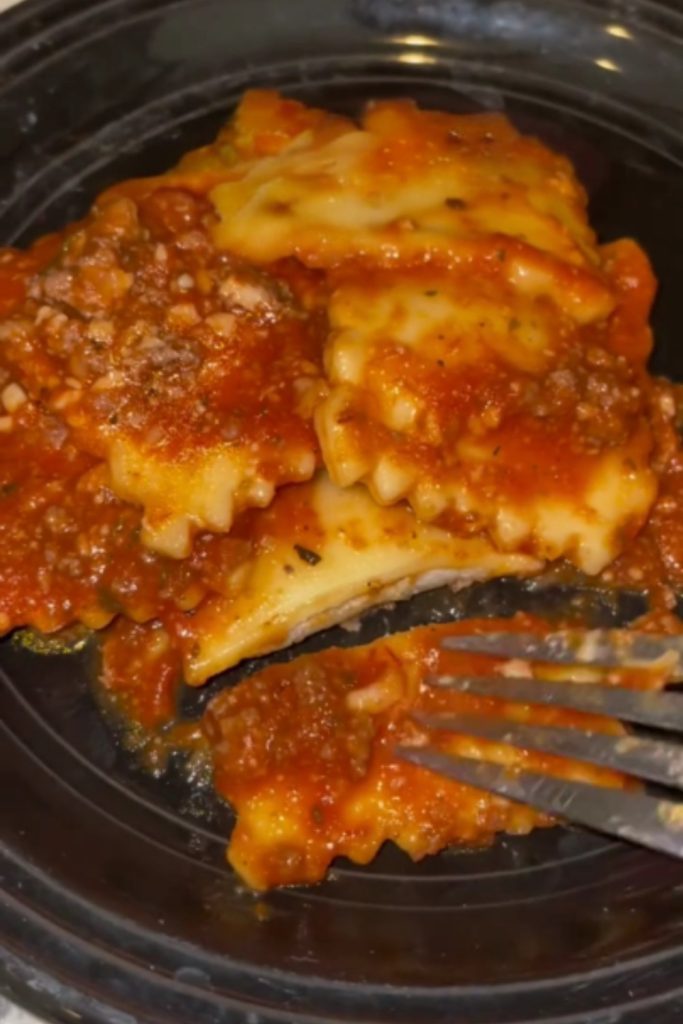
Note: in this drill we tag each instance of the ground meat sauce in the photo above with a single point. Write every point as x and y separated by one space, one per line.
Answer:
133 323
305 752
71 548
591 399
653 561
127 328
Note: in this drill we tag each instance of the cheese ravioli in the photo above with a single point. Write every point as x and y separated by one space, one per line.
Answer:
321 555
485 357
491 409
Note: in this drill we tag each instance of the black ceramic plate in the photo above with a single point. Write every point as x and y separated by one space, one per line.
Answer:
117 905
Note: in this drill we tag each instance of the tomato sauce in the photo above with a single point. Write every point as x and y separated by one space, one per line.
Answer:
134 324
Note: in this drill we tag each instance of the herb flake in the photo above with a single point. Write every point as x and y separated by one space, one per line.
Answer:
307 556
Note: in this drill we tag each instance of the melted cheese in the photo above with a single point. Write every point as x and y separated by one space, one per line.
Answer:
324 555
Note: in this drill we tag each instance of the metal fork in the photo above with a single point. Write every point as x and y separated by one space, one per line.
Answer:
637 816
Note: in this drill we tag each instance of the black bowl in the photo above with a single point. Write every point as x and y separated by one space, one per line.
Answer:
117 903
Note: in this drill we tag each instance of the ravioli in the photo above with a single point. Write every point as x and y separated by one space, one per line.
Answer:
406 184
482 406
320 365
192 375
306 754
319 556
475 359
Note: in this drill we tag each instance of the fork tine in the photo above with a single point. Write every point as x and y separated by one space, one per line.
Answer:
609 648
643 819
646 707
654 760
